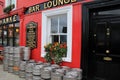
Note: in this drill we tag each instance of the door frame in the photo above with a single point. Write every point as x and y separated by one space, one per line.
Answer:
87 7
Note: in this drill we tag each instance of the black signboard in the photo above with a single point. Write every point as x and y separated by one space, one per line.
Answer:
10 19
31 35
49 4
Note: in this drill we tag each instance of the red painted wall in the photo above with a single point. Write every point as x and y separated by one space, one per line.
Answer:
36 17
26 3
76 46
1 6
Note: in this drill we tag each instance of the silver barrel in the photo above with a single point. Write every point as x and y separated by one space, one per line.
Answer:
11 49
79 72
37 68
22 65
57 74
17 53
16 67
46 72
22 74
26 53
17 59
6 58
29 66
5 64
28 76
10 69
36 78
22 69
71 75
6 49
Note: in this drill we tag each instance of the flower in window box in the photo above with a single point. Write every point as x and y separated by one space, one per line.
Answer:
55 52
8 8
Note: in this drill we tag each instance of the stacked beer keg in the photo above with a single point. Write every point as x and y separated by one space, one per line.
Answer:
10 59
5 59
22 69
28 69
17 61
73 74
58 74
37 71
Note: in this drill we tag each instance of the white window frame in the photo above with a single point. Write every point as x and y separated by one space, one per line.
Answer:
46 26
6 3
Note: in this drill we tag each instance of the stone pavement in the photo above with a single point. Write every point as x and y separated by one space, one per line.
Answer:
4 75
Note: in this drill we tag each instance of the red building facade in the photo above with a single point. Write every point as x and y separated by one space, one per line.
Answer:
88 27
28 11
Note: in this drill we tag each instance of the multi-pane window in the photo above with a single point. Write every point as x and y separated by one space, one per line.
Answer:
5 32
9 34
16 36
9 2
58 29
0 35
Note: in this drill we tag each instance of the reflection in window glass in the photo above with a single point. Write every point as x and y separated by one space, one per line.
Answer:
17 34
54 24
63 38
5 42
4 35
10 41
9 35
0 35
10 30
63 23
55 38
59 28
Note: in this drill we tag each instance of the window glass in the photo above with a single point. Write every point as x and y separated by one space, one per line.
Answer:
63 23
10 34
59 28
9 2
0 35
63 38
54 24
5 35
55 38
16 34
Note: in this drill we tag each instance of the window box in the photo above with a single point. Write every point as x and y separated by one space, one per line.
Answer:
8 8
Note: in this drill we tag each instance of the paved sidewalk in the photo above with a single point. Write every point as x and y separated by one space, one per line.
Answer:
4 75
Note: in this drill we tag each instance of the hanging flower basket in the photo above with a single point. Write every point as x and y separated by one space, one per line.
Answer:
55 52
8 8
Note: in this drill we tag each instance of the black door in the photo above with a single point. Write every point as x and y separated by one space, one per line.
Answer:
104 46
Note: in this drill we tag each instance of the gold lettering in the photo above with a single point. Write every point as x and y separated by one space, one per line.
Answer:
45 6
49 4
73 1
66 1
55 2
14 18
33 9
30 10
7 20
4 21
10 19
37 7
60 2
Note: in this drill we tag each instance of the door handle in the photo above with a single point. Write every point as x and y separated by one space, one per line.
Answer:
107 58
